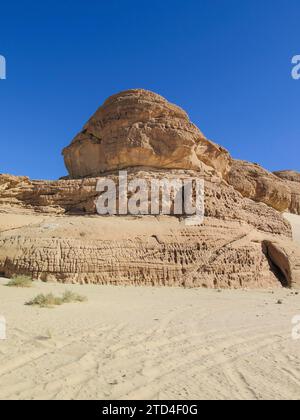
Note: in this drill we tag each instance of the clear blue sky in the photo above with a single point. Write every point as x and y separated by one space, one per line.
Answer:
227 62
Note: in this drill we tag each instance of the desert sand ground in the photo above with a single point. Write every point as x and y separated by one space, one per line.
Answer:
143 343
295 222
150 343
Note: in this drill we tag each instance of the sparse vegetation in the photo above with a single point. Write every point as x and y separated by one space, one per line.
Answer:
45 301
69 297
49 300
20 281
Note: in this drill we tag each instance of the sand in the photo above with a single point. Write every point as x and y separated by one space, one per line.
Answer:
150 343
295 222
144 343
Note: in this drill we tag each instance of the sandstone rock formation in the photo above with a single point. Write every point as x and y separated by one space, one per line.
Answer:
69 197
227 251
138 128
292 180
50 229
288 175
141 251
255 182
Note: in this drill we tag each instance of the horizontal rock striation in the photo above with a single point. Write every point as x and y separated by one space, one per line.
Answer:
139 252
61 197
50 243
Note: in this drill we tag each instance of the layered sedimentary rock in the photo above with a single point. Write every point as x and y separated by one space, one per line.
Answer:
138 128
50 243
69 197
51 229
144 251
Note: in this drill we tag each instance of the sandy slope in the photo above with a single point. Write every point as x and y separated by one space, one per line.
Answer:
150 343
295 222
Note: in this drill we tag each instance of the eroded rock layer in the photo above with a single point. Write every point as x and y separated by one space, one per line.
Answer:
41 236
222 201
141 252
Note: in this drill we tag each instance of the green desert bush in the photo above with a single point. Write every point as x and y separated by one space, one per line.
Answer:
20 281
49 300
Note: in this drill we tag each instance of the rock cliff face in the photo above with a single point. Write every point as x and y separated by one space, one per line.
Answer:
41 236
142 251
50 229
